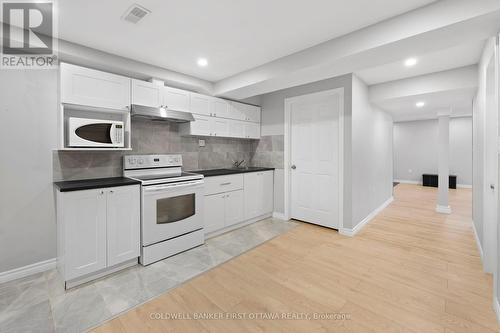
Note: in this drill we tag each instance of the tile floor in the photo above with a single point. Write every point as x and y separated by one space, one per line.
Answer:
39 303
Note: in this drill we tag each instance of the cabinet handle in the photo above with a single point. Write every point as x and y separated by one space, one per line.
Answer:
127 107
228 183
101 193
111 191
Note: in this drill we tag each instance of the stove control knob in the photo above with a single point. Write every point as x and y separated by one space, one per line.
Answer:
131 160
140 161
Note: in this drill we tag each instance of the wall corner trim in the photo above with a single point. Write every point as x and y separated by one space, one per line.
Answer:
279 216
496 308
360 225
27 270
478 243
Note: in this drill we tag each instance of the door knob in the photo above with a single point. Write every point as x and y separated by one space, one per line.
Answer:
293 167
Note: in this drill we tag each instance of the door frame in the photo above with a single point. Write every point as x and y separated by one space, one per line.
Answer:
287 141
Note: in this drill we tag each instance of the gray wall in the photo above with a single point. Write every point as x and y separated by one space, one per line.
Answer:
273 120
371 154
367 143
28 133
415 149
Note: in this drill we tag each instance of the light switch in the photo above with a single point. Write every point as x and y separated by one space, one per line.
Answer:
201 143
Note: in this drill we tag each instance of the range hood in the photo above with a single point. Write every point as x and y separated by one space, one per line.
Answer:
161 113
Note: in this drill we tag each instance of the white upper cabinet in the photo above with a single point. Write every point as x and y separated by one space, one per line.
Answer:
205 126
146 93
237 129
252 130
220 108
246 112
200 104
93 88
176 99
220 127
202 126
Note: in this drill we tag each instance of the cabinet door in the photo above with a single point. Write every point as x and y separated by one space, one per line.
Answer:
202 125
252 130
236 129
267 196
253 189
123 224
220 108
252 113
235 207
214 212
220 127
200 104
84 218
146 93
88 87
237 111
176 99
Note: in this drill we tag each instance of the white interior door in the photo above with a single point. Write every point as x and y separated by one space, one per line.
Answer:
315 146
490 196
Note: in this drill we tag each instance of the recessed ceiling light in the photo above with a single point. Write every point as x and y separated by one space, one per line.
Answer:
202 62
410 62
420 104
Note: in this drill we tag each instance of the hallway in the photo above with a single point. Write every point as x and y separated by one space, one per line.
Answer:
409 270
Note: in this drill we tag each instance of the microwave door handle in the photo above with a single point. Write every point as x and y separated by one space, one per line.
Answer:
112 133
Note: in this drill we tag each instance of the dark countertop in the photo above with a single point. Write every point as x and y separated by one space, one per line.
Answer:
88 184
229 171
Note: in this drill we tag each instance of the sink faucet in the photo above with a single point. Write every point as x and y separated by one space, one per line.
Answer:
238 164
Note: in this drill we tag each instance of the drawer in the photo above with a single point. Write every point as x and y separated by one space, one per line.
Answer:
226 183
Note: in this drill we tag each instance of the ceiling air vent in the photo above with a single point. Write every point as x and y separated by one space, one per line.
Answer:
135 13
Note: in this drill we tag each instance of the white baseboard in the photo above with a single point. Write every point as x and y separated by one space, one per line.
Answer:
496 307
279 216
464 186
443 209
478 243
404 181
360 225
21 272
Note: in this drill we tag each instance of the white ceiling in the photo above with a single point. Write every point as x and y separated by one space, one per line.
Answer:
404 109
233 35
458 56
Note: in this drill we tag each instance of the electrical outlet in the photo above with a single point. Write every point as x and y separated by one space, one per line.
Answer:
201 143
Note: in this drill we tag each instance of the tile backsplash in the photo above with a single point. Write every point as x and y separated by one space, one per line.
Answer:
156 137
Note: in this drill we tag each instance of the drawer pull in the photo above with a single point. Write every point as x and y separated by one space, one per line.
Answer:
228 183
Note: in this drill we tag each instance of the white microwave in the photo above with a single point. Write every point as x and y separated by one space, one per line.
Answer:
83 132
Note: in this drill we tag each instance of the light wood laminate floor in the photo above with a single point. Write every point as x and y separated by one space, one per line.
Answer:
409 270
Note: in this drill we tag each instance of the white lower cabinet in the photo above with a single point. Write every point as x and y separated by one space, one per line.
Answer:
122 224
233 199
259 196
97 229
223 210
214 212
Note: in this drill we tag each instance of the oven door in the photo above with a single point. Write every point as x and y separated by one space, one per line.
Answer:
171 210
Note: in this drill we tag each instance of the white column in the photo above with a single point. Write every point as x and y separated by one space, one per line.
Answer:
443 162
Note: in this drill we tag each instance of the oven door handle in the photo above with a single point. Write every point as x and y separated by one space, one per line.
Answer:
171 186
